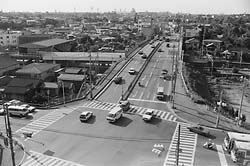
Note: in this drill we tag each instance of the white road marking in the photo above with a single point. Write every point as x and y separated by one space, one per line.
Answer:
147 83
150 101
143 77
135 94
221 154
141 95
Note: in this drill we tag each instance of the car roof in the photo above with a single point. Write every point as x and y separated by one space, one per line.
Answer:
85 112
149 110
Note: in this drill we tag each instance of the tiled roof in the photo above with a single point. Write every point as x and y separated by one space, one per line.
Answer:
21 82
73 70
36 68
6 61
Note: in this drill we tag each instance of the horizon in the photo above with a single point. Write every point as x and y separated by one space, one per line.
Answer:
93 6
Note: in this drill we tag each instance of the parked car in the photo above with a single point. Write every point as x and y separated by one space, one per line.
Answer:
148 115
30 108
85 115
132 71
118 80
199 130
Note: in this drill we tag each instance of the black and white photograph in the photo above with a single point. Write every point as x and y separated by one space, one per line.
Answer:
125 83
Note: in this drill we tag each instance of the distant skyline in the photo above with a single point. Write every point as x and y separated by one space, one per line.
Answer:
174 6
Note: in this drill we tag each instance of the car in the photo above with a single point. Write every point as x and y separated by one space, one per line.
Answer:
85 115
144 56
1 111
148 115
168 45
141 52
199 130
131 71
153 46
30 108
160 50
118 80
164 71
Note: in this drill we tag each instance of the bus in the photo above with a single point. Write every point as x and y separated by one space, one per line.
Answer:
18 110
240 153
230 139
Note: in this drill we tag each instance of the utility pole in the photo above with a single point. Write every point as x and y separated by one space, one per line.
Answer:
219 109
9 134
63 93
90 75
242 97
178 145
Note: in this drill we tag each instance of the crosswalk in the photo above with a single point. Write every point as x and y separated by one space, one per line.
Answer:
133 109
187 147
44 121
39 159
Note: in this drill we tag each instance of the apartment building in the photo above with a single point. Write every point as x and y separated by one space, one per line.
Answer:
9 38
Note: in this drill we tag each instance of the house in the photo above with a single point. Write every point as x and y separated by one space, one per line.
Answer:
50 89
212 46
192 44
7 64
21 89
72 82
41 71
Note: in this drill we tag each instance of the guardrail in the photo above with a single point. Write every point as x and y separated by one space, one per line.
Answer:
133 83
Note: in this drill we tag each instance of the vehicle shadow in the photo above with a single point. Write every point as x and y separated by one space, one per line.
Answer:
155 120
123 121
91 120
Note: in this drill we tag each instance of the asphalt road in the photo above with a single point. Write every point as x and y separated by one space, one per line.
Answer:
98 142
114 92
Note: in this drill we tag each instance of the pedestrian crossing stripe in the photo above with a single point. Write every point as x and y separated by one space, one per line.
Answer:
133 109
44 121
36 158
187 145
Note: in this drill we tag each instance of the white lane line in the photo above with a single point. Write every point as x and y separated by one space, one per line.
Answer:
147 83
134 94
150 101
141 95
221 154
144 77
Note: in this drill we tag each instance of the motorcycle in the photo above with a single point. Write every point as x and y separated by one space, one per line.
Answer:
208 145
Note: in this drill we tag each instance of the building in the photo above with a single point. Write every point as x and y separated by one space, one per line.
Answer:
9 38
21 89
7 64
192 44
30 38
41 71
212 46
49 45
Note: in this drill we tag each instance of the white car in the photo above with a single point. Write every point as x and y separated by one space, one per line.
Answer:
148 115
131 71
30 108
85 115
1 111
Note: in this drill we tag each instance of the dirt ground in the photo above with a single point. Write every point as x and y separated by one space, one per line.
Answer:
203 85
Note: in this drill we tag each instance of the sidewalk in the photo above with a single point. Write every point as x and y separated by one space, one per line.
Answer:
5 154
195 113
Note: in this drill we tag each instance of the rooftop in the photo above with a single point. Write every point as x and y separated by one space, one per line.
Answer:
36 68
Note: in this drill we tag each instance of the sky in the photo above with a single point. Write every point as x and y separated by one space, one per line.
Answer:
175 6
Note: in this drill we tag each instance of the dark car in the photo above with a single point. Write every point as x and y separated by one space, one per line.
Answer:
118 80
199 130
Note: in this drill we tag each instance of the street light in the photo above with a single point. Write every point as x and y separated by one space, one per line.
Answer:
90 75
62 83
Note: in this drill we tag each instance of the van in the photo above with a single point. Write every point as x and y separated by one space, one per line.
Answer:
160 93
114 114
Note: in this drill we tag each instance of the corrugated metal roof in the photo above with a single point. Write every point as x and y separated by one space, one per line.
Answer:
50 85
51 42
71 77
